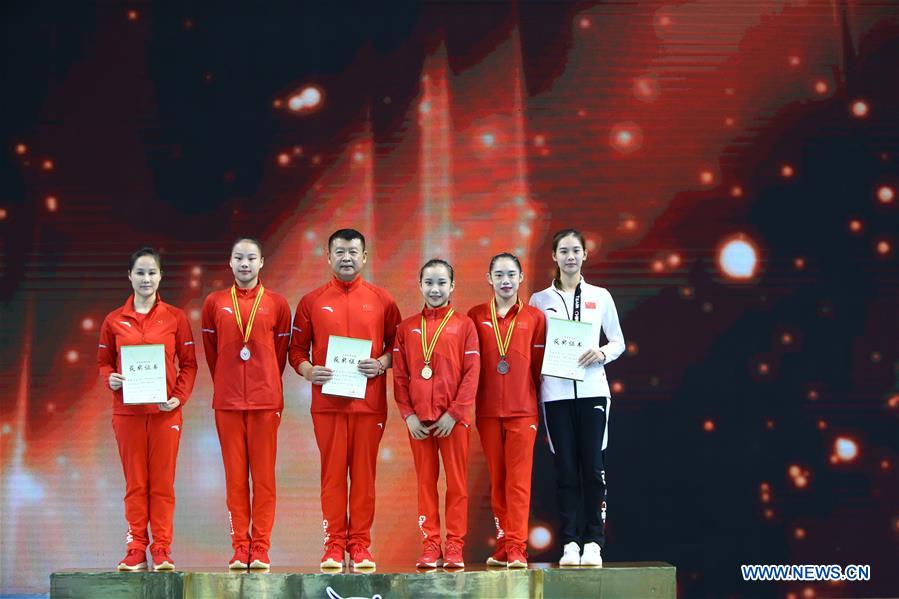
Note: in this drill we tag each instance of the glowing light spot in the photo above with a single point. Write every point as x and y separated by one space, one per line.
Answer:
626 137
738 258
886 194
729 91
686 292
786 339
765 487
707 307
801 482
706 177
821 87
308 99
794 61
769 513
196 271
87 323
51 407
71 356
786 171
539 141
358 156
665 21
21 149
632 348
736 191
646 88
883 247
584 23
277 103
893 401
822 425
194 284
855 225
799 263
708 426
582 113
132 15
884 464
729 121
47 165
876 357
540 537
283 159
51 203
860 109
846 449
488 140
658 266
617 387
195 314
794 471
524 230
629 224
3 214
808 592
799 534
769 424
674 260
424 107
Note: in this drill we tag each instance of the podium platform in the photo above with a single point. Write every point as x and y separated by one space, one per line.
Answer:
645 580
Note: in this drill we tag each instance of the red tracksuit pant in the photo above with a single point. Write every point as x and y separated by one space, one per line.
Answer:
348 443
148 446
454 451
249 440
509 448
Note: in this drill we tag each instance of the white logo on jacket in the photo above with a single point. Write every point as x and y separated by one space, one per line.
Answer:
485 323
416 331
228 310
126 323
328 308
176 427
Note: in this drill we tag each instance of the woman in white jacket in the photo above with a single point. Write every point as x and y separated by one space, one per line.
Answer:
576 413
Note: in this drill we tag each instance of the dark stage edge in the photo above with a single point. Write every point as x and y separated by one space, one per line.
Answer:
624 580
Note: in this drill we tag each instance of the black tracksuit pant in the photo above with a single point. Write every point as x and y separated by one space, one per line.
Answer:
577 430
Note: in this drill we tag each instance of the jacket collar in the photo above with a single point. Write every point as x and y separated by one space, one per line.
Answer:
512 311
437 313
346 286
129 311
248 293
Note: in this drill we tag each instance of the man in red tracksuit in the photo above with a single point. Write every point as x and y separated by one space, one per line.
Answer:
246 332
512 335
435 388
348 431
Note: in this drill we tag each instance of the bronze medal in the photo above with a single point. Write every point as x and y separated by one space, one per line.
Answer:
503 366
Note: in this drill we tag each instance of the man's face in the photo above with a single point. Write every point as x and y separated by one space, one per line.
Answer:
346 258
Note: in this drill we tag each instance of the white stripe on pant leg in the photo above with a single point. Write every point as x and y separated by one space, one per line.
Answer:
605 432
546 426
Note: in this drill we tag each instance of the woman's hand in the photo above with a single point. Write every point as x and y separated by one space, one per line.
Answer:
591 357
170 405
371 368
444 425
416 428
115 381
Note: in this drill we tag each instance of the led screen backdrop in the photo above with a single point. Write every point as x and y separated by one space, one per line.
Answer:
733 165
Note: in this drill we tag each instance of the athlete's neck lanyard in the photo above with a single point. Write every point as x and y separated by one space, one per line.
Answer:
576 313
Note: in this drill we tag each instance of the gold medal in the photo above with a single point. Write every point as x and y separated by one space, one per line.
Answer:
245 351
428 349
503 366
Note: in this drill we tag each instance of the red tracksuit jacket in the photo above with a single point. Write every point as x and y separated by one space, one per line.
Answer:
355 309
163 324
456 363
515 393
256 383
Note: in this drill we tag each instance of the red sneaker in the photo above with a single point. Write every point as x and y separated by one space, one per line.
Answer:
431 556
259 555
333 557
361 558
499 556
453 556
241 558
135 559
518 557
162 560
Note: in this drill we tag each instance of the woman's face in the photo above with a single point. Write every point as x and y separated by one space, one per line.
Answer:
246 261
436 285
145 277
570 255
505 278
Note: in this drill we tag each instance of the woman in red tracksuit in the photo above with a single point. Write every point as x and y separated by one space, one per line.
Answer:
512 336
246 332
148 435
436 363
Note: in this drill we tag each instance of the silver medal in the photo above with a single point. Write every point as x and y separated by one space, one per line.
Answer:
503 366
245 353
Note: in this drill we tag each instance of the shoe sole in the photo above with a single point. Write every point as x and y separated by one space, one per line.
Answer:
237 566
570 565
127 568
257 565
599 565
518 564
164 566
331 564
436 564
365 564
495 562
454 565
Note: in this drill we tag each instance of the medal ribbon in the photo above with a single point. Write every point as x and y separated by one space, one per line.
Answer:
503 346
429 349
246 334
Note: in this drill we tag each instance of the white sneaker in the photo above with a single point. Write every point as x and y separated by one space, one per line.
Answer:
592 555
571 555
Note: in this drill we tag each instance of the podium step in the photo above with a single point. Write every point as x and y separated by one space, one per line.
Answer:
647 580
